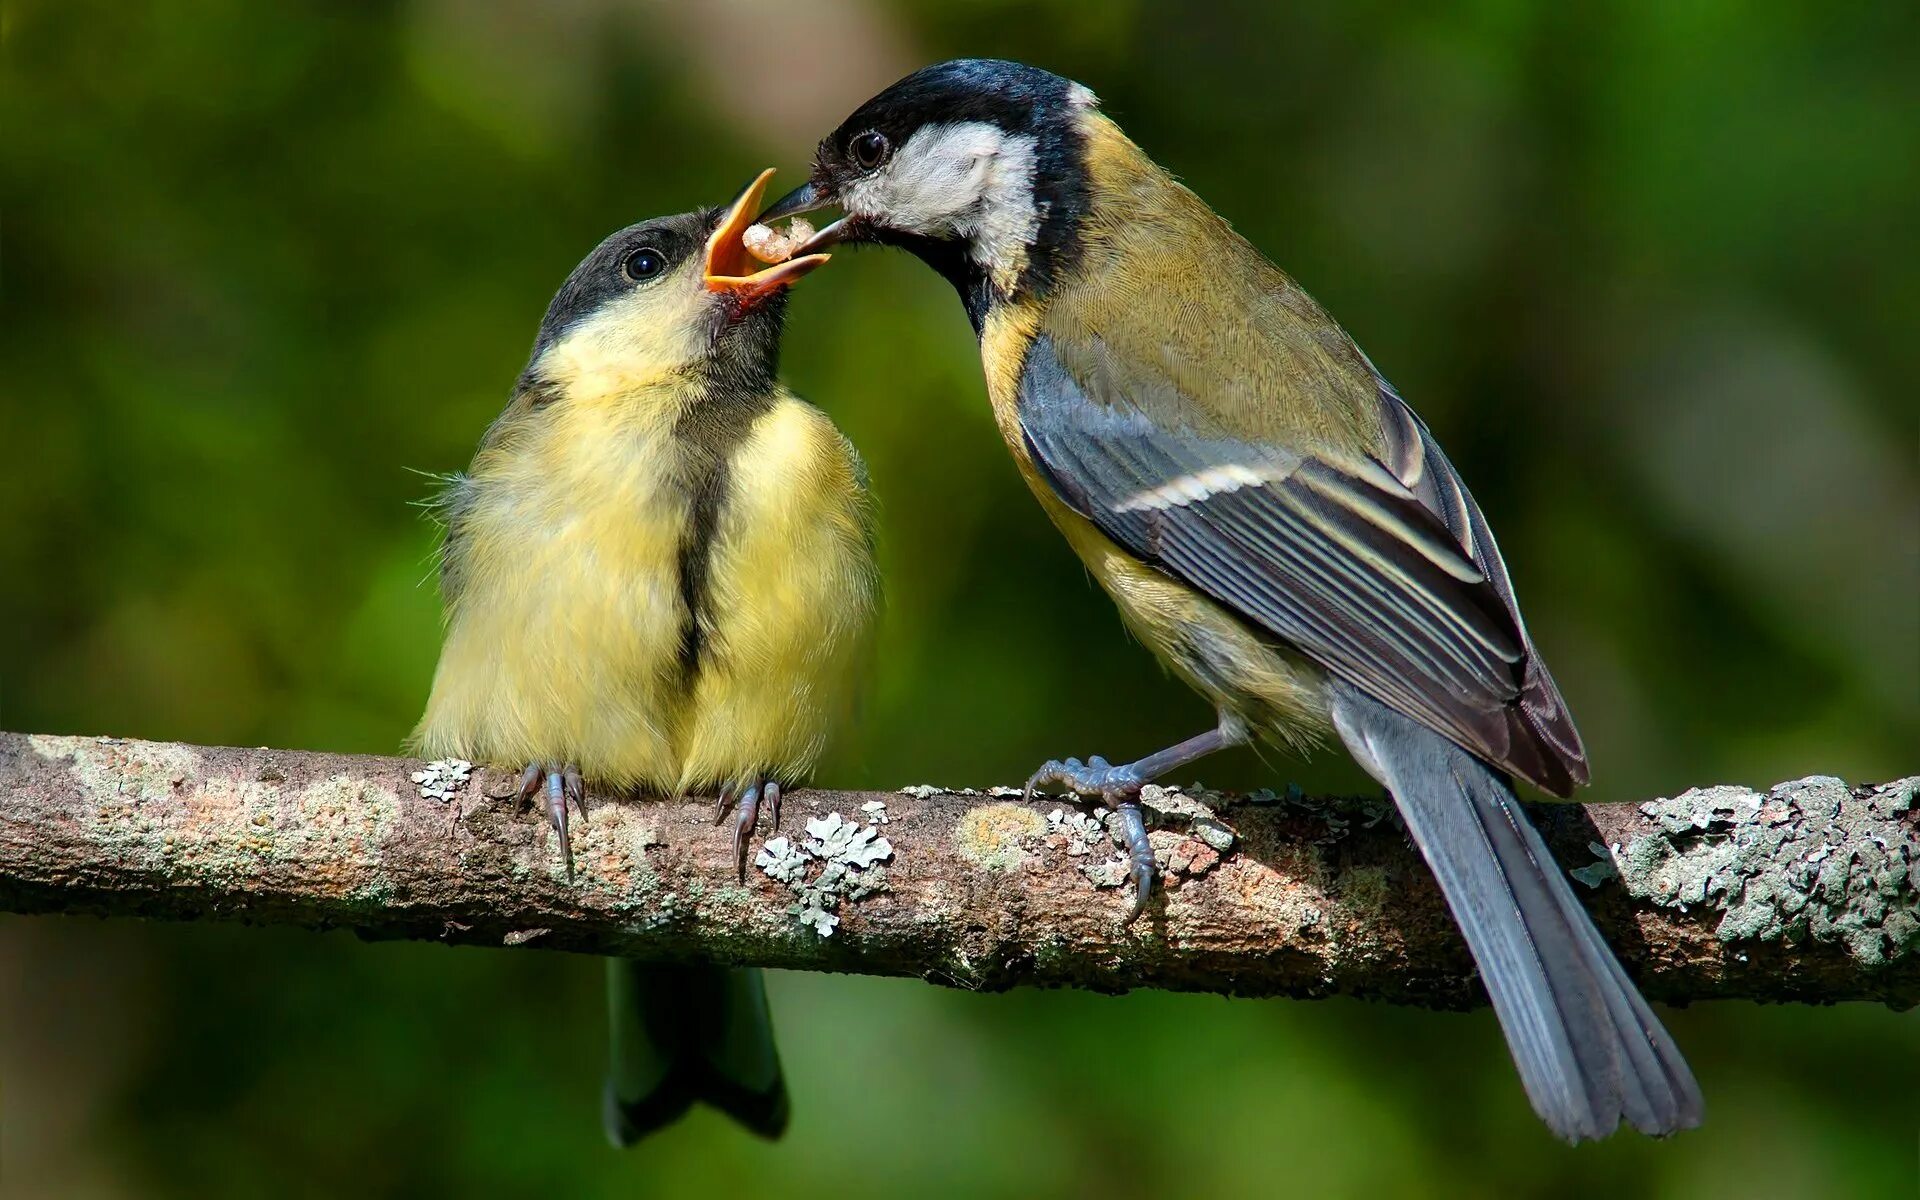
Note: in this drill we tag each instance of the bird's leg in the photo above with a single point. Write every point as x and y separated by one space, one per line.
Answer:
1118 787
747 816
563 783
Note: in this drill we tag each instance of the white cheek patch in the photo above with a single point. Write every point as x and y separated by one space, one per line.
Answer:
971 180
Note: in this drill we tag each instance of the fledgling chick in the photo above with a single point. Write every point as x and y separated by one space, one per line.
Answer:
1271 519
658 573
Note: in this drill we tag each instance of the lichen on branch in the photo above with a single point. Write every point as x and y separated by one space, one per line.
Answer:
1807 891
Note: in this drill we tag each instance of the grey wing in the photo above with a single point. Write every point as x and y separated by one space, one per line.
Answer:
1416 459
1342 560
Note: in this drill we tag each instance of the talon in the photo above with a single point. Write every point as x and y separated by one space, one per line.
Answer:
743 824
724 803
529 784
771 794
1118 787
1049 773
1133 828
576 787
557 816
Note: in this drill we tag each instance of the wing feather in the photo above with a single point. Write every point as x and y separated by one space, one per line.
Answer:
1381 570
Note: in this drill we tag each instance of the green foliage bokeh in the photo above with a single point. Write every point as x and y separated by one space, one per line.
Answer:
1647 270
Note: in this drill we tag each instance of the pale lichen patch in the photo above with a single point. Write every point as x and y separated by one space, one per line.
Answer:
151 813
225 828
610 850
996 836
132 772
338 830
1078 833
1194 809
1810 859
852 866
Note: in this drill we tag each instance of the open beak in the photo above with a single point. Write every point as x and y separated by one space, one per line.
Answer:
730 267
805 199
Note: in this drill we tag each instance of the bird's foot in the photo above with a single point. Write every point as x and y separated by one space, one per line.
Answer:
747 815
562 783
1117 787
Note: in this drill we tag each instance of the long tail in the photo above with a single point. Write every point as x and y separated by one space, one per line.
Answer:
686 1033
1588 1048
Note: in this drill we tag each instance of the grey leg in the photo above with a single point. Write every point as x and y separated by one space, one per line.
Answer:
1118 787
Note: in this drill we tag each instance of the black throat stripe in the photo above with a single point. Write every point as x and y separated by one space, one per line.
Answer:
709 434
708 496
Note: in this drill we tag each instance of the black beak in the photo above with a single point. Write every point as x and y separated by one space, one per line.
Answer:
807 198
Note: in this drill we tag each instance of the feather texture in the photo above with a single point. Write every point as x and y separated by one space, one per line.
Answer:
1588 1048
1335 555
568 621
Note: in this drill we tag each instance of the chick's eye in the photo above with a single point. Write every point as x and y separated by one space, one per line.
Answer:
868 149
644 263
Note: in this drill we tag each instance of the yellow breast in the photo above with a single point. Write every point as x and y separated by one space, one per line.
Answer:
564 643
793 589
561 642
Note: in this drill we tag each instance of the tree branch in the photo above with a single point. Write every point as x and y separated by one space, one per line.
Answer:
1807 892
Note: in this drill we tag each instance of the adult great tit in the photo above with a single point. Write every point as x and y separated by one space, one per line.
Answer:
1271 518
658 573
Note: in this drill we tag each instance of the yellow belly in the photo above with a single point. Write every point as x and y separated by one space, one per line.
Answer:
793 593
564 644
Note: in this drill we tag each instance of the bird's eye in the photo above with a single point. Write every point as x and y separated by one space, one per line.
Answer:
644 264
869 149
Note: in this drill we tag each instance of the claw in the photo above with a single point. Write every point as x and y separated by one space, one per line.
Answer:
743 823
563 784
1119 789
1051 773
1133 828
557 816
771 793
529 784
576 788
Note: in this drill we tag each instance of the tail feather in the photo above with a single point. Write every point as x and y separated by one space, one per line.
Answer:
681 1034
1588 1048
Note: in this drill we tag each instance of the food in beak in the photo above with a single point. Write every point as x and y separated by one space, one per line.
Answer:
807 198
729 261
770 245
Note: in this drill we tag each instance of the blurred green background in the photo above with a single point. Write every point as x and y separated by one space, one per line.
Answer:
1649 271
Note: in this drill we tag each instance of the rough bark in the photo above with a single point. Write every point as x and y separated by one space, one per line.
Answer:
1805 892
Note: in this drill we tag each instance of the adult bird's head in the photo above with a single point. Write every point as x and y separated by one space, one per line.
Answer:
976 165
668 295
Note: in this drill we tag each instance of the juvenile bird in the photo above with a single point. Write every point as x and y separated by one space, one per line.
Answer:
657 574
1271 518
